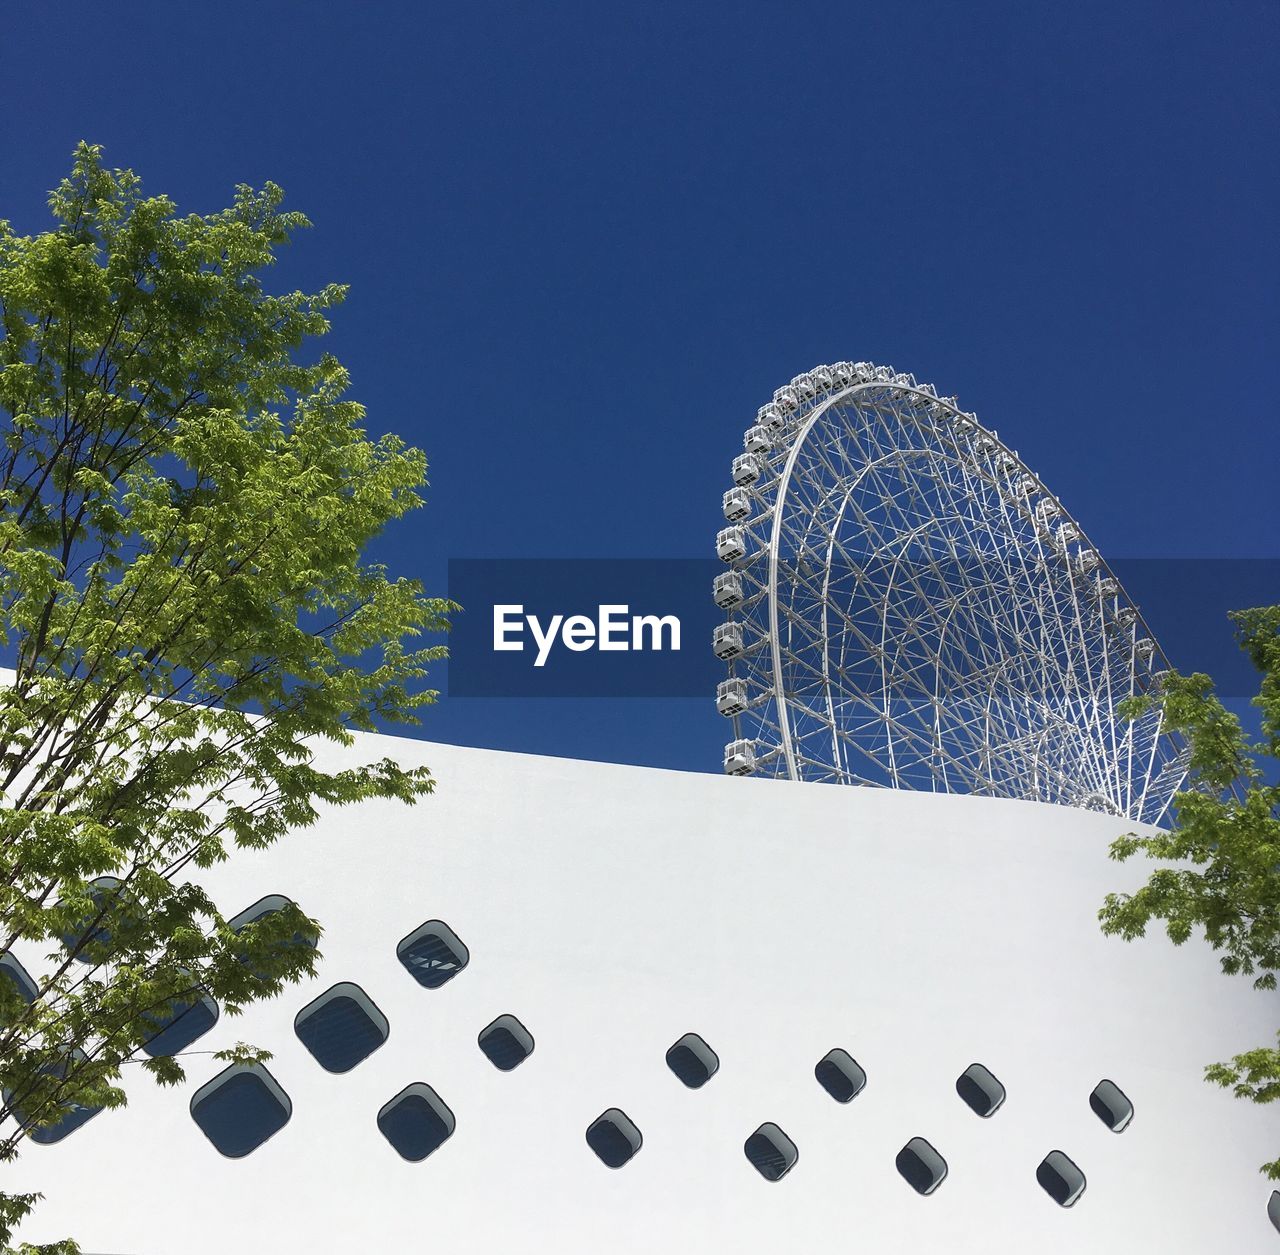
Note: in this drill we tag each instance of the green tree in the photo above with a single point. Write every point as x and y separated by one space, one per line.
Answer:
185 497
1224 845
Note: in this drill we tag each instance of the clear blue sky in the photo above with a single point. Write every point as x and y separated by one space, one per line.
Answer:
586 241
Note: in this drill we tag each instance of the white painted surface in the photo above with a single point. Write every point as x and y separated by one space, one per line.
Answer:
613 909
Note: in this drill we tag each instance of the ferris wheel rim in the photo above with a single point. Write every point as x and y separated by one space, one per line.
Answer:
802 406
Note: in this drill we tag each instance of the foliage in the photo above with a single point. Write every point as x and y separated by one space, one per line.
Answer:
185 498
1224 844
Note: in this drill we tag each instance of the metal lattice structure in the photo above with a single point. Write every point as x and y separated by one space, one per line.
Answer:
908 605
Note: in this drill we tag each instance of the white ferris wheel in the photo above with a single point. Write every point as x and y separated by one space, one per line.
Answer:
908 605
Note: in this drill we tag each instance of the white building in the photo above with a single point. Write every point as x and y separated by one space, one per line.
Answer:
614 910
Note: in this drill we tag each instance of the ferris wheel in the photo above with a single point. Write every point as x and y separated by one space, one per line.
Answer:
908 605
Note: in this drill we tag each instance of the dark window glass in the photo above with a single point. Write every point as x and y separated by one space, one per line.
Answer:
693 1061
921 1166
771 1152
341 1027
75 1117
240 1109
614 1138
179 1024
433 954
17 978
980 1090
89 942
1273 1208
1061 1179
416 1122
263 906
1111 1106
506 1043
840 1075
251 915
75 1114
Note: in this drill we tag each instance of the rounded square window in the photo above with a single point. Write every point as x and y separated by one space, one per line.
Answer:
179 1022
693 1061
982 1092
1060 1178
614 1138
259 911
771 1152
416 1122
506 1043
88 938
433 954
840 1074
74 1113
1273 1208
921 1166
1111 1106
341 1027
16 980
240 1109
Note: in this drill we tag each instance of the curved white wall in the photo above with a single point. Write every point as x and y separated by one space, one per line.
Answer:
613 909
